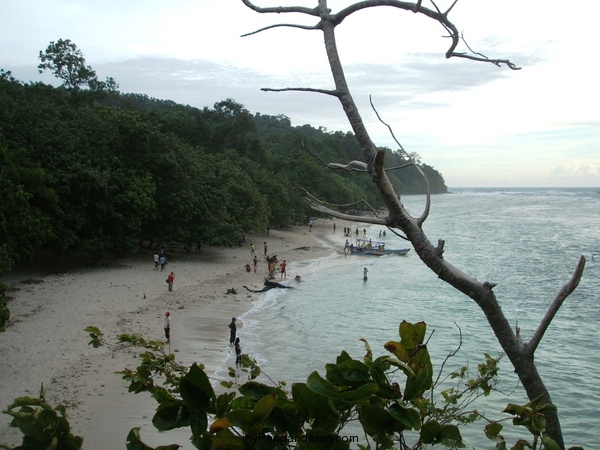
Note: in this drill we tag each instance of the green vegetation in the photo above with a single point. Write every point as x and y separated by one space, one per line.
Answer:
100 171
382 402
93 170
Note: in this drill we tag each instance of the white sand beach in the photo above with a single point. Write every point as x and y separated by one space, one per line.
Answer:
52 303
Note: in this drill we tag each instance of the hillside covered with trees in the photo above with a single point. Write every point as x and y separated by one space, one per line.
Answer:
99 171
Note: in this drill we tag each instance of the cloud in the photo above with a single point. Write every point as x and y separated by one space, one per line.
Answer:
576 168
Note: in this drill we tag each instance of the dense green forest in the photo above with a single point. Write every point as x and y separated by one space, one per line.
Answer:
98 171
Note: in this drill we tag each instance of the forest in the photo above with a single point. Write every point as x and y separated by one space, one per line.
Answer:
98 171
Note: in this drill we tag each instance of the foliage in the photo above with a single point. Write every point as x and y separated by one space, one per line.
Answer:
390 398
100 174
99 171
67 62
43 426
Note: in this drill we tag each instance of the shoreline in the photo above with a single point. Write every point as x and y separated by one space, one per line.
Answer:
45 343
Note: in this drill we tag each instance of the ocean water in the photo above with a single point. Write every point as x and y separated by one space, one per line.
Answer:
528 241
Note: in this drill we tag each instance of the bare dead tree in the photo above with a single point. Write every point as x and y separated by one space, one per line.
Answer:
521 354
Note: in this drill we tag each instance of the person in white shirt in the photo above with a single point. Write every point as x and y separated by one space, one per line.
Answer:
168 326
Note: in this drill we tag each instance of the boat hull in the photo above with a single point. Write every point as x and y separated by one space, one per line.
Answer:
378 252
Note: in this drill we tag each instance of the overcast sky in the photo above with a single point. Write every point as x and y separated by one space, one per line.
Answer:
478 124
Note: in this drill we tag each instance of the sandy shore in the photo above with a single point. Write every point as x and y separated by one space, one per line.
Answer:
52 304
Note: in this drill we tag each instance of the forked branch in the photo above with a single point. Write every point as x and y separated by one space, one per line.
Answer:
562 295
425 213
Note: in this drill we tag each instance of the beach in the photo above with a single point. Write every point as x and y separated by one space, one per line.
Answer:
53 301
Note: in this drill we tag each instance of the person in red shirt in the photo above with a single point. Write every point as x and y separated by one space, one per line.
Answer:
282 267
170 280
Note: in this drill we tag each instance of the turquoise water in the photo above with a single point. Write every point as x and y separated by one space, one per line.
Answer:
528 241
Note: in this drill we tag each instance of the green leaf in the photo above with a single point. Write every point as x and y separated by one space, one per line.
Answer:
134 442
256 391
170 415
357 395
450 436
423 378
430 431
401 352
412 335
223 403
353 370
321 386
242 418
195 388
310 405
198 422
344 356
410 417
549 443
264 406
378 421
492 430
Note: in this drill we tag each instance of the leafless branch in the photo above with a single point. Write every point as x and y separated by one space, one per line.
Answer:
332 92
477 56
337 205
281 25
437 15
562 295
281 9
450 8
319 205
450 355
357 166
427 208
401 236
314 204
352 166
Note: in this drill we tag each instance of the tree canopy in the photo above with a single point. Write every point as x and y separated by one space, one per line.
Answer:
103 171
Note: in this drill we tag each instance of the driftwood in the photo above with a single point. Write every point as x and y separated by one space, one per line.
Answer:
269 285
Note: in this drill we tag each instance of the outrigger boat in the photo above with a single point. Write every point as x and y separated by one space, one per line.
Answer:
368 247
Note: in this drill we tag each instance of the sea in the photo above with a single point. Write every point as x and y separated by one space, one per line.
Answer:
527 241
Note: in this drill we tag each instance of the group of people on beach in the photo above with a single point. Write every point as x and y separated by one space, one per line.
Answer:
271 262
233 339
160 259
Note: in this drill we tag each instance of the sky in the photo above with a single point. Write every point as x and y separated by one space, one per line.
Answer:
478 124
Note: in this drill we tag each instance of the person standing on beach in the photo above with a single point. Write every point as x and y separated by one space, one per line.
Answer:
232 330
163 262
167 326
255 261
265 247
156 261
282 267
238 353
170 280
252 250
365 272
